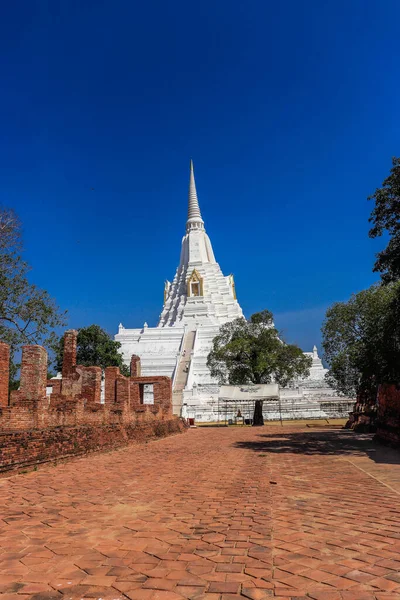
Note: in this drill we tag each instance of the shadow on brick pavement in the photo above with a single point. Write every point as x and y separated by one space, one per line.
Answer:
325 442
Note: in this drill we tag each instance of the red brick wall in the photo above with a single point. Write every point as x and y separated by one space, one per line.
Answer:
91 383
69 358
4 373
123 390
33 373
28 448
135 394
135 366
32 419
24 415
110 385
55 384
162 387
78 381
388 422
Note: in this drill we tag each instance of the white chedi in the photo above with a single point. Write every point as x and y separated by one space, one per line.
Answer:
196 303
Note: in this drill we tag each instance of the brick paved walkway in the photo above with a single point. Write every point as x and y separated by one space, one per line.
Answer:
214 514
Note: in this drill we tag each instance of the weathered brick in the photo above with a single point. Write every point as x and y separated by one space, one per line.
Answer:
33 373
4 373
110 385
123 390
69 358
135 366
91 383
33 446
74 408
162 387
388 422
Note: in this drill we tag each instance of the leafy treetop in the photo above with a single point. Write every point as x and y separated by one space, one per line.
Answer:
361 341
95 348
28 315
251 351
385 217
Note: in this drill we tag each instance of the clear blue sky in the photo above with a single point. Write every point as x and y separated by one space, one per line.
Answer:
290 111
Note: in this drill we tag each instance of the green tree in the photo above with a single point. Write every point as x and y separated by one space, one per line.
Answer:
385 217
95 348
28 315
361 341
246 352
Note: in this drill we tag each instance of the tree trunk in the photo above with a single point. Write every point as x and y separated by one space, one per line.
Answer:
258 418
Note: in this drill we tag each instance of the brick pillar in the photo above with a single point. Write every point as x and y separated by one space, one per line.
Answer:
91 383
33 373
135 366
4 373
110 386
163 394
123 390
69 360
134 394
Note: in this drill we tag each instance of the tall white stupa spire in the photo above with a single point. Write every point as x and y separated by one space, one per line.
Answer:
198 300
194 219
199 294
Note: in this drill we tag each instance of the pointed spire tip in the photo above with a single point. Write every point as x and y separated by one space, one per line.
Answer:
193 208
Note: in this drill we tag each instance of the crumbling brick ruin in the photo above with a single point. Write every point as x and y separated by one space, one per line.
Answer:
47 419
380 415
4 373
388 419
363 416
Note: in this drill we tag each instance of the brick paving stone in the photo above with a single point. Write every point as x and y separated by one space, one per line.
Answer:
191 580
159 584
230 587
190 591
196 517
126 586
357 596
209 596
31 588
334 595
10 596
140 594
163 595
98 580
256 593
47 596
384 584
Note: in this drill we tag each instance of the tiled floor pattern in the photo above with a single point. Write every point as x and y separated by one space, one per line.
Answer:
214 514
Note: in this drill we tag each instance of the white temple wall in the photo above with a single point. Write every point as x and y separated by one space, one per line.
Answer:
158 348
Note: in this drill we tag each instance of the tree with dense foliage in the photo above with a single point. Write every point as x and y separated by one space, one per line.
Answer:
385 217
28 315
95 348
361 341
251 352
